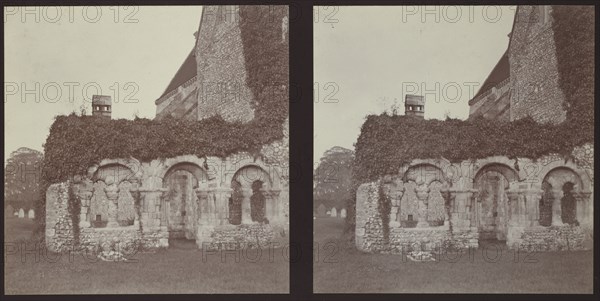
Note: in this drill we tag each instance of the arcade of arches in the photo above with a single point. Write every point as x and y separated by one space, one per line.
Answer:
219 203
545 204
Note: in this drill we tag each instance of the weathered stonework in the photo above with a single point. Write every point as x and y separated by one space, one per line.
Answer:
526 80
534 73
223 89
149 189
482 199
553 238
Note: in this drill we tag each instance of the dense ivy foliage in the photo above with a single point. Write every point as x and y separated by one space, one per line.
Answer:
74 207
387 142
267 62
384 206
573 28
77 142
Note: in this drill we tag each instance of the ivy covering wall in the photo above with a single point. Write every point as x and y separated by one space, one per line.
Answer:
387 142
574 34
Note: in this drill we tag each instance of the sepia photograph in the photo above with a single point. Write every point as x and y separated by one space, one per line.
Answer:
453 149
146 150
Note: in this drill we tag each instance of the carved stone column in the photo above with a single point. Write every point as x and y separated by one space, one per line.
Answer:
474 208
246 209
556 210
270 206
205 216
512 214
153 207
112 193
396 205
277 206
85 196
584 207
222 196
422 192
449 197
532 214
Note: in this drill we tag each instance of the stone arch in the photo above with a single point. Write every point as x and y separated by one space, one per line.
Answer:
252 198
180 204
195 165
273 172
422 200
587 183
130 169
192 168
558 204
126 213
561 174
505 166
492 181
424 173
111 203
98 211
249 173
509 173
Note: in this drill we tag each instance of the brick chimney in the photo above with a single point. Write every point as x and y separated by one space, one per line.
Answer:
414 105
102 106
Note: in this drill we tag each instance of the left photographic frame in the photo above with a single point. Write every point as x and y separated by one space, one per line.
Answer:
147 149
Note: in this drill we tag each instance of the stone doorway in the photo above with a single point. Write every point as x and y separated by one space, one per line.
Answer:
180 205
492 203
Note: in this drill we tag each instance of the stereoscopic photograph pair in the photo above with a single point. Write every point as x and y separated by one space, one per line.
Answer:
161 150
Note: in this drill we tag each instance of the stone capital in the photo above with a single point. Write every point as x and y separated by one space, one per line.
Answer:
513 195
582 195
271 193
246 193
422 192
112 192
201 193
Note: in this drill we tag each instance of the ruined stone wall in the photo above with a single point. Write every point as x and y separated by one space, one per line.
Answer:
534 76
210 225
553 238
432 239
520 204
60 231
369 230
223 89
59 226
229 237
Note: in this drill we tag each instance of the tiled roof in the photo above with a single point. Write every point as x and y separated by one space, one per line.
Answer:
500 72
185 72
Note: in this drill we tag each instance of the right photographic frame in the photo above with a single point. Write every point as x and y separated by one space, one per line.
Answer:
454 149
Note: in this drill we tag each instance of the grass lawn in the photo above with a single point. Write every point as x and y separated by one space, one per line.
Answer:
342 269
181 269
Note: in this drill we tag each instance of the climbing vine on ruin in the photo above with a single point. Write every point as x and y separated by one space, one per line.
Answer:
74 209
384 206
137 197
267 64
387 142
576 63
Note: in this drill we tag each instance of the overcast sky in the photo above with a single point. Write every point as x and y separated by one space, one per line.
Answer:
368 57
130 53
